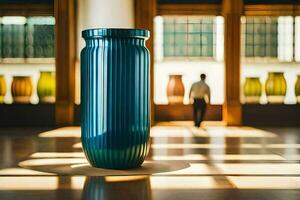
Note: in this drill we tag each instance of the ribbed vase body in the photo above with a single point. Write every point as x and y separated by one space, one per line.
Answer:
115 100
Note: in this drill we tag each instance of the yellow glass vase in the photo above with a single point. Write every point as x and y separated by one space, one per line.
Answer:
252 90
276 87
46 87
2 88
297 89
21 89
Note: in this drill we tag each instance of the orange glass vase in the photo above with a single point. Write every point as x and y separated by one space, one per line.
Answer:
21 89
175 89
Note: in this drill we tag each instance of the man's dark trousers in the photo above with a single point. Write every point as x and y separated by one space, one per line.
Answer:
199 110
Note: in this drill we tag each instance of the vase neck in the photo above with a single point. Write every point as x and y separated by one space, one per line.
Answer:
115 41
46 73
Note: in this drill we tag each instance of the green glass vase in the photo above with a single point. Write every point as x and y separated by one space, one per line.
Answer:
252 90
276 87
46 87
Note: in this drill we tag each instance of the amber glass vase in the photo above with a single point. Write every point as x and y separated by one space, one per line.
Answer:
46 87
175 89
276 87
2 88
21 89
297 89
252 90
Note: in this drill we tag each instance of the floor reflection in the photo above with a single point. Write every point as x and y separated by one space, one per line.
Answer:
117 187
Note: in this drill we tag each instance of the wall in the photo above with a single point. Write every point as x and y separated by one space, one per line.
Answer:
291 70
190 71
21 69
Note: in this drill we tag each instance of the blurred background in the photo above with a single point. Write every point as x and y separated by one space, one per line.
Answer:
249 50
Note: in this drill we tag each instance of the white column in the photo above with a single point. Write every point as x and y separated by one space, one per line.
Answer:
103 14
100 14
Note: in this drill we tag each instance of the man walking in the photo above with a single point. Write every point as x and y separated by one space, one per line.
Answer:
200 95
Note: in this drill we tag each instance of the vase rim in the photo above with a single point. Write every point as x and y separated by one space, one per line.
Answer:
276 72
45 71
21 76
175 75
115 32
253 77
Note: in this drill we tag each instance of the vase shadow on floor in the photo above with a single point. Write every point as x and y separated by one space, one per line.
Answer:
80 166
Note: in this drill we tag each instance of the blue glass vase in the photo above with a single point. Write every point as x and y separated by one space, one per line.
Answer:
115 97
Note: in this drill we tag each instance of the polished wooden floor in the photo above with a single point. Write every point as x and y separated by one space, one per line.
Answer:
223 163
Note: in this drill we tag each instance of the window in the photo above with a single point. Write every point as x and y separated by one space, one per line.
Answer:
188 36
40 37
270 37
31 37
260 36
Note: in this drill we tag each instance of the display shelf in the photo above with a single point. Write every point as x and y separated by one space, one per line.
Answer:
271 115
27 61
27 115
259 60
181 112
